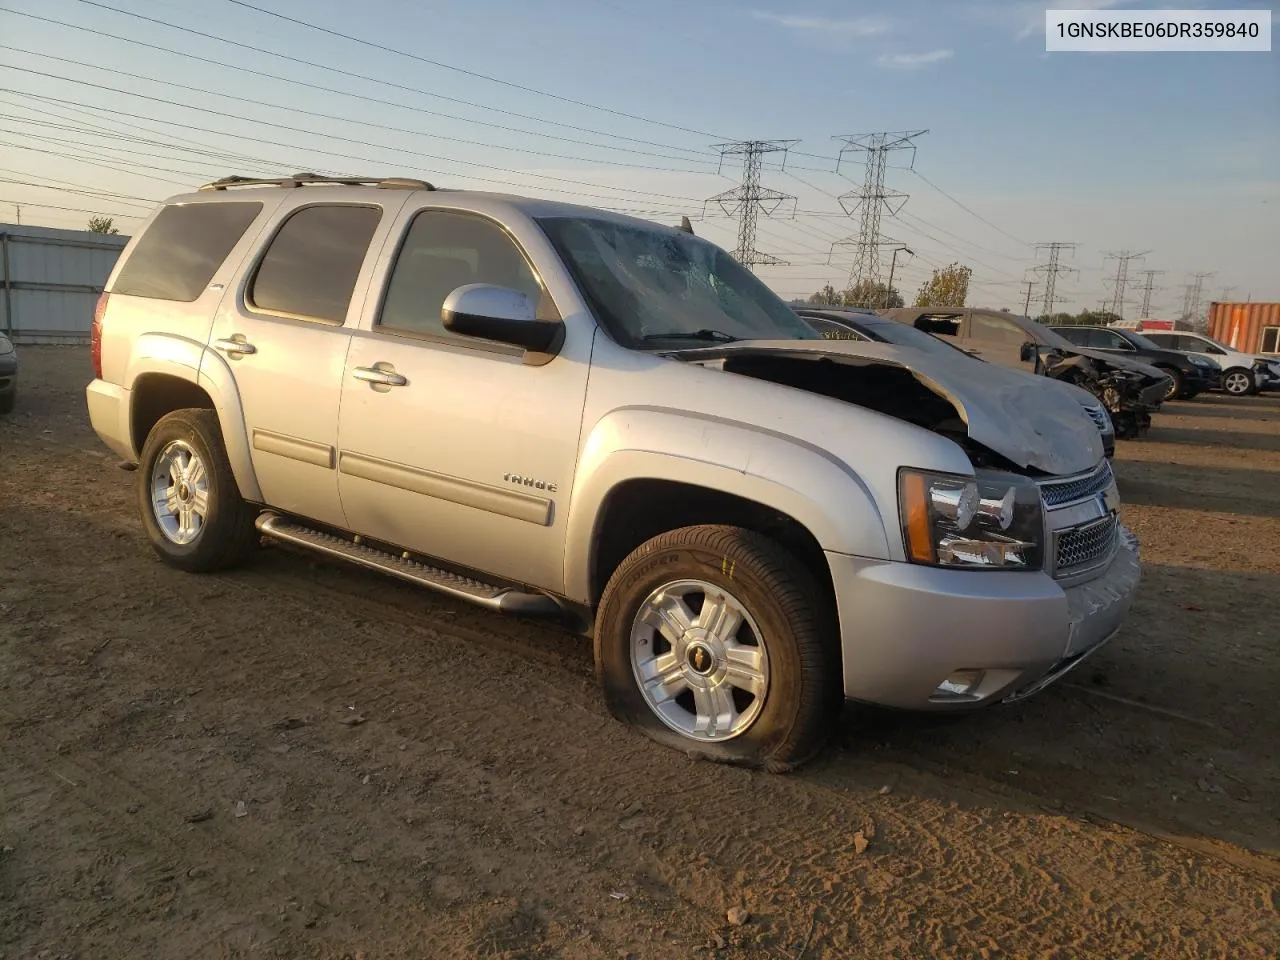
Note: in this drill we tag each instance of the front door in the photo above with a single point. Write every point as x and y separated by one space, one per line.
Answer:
284 337
451 446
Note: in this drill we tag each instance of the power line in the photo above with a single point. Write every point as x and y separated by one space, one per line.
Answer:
49 206
1051 271
966 209
469 73
872 197
367 99
749 198
314 133
1122 277
344 120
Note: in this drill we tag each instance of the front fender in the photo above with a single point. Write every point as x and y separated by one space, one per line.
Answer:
788 475
191 361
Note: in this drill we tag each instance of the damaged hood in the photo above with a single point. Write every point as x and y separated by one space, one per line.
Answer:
1032 421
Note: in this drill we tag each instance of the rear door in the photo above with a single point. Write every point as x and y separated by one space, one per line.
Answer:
284 333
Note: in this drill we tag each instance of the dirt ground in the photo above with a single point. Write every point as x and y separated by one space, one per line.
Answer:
305 760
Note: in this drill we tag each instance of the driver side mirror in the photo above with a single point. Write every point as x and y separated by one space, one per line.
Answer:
1028 352
490 312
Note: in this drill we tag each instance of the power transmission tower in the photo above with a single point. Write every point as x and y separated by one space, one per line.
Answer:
1224 294
1122 278
1026 309
872 198
1148 285
746 200
1191 300
1051 271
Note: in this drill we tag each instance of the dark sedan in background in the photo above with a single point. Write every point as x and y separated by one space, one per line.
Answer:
1191 375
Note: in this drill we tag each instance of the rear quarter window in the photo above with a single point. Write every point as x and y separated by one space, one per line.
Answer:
181 250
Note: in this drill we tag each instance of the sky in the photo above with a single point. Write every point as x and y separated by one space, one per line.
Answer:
621 104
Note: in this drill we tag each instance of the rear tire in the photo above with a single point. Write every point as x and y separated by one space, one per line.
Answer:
1239 382
714 640
191 507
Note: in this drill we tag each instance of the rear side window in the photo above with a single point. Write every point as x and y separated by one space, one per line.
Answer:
310 268
179 253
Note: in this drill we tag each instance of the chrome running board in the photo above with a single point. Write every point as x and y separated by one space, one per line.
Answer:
504 599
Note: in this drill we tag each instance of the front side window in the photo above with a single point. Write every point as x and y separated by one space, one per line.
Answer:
1079 336
442 251
997 330
311 265
653 288
181 250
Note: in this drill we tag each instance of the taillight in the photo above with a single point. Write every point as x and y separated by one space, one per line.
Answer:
95 335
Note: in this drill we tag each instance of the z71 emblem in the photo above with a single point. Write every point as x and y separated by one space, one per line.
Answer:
529 482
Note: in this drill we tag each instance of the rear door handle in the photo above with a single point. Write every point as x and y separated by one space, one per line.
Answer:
235 347
387 378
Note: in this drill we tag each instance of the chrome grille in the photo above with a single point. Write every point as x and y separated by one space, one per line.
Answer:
1056 493
1085 545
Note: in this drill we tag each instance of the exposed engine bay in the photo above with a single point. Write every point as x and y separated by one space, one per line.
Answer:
1006 422
1129 396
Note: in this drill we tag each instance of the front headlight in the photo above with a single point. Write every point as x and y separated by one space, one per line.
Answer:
992 521
5 345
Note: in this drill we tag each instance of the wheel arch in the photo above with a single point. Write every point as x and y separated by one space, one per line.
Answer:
644 472
171 373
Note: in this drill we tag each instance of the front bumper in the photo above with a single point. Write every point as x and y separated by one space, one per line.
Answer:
905 629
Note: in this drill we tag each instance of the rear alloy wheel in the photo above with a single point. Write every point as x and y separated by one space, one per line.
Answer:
190 504
1238 382
713 640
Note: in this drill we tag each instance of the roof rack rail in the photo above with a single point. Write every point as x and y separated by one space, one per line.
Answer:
303 179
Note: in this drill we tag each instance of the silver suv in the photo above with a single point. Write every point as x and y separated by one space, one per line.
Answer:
553 410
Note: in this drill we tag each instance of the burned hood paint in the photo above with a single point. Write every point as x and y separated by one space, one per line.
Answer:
1035 422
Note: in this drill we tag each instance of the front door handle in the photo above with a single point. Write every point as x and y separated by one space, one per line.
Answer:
235 346
386 378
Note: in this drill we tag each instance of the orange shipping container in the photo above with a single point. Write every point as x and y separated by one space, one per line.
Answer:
1248 327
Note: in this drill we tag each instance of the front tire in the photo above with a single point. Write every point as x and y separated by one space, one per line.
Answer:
715 640
191 507
1239 382
1176 388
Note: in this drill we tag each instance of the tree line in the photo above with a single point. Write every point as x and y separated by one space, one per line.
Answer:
947 287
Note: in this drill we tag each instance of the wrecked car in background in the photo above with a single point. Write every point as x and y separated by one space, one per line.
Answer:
837 323
1131 391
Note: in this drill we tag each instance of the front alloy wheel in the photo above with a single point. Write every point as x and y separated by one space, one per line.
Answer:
717 641
698 659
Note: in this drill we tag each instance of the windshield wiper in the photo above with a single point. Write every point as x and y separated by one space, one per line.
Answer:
717 336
